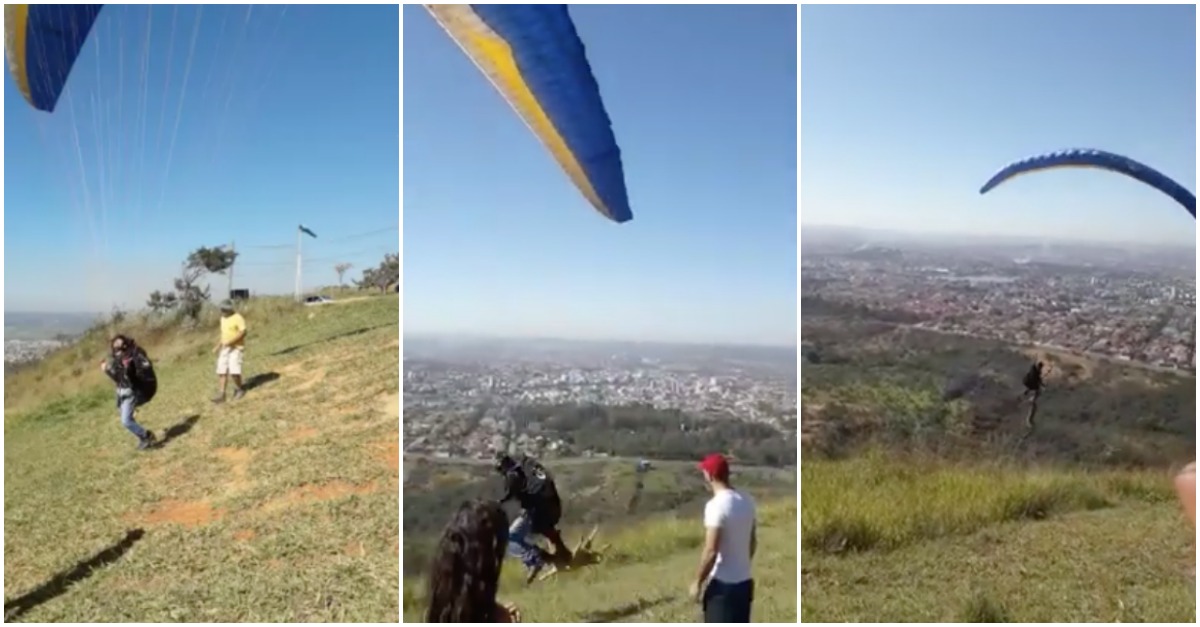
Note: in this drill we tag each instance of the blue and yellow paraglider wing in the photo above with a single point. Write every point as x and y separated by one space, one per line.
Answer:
1097 159
534 57
42 42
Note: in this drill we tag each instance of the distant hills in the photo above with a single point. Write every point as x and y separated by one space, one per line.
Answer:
41 325
591 352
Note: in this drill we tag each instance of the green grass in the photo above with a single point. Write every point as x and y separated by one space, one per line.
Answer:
899 539
645 575
278 507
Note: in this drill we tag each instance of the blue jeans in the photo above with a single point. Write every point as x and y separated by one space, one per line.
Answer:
126 402
728 602
519 545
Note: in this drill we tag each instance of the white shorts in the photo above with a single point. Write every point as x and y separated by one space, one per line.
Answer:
229 361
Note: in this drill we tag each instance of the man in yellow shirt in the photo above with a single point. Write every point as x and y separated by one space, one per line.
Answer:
229 351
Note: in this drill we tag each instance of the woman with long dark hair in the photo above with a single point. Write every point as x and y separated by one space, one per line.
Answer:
465 573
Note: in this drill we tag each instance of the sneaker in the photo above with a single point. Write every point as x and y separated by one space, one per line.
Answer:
238 394
531 572
147 442
218 399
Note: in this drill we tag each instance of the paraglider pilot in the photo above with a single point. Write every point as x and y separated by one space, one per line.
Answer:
130 369
1033 381
533 487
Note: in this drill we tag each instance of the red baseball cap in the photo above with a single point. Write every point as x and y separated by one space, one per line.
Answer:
715 465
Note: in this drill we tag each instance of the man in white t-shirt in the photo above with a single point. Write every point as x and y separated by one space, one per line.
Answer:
724 585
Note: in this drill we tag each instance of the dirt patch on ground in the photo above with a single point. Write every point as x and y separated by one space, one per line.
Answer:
315 493
296 367
186 513
1063 364
355 549
312 381
390 404
301 433
239 461
352 299
244 535
389 452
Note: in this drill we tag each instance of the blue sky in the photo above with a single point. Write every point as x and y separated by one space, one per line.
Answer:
288 114
907 111
497 241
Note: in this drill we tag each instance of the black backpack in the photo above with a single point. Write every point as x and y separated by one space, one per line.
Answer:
538 481
142 377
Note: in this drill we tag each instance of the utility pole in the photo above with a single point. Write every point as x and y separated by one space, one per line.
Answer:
299 260
233 251
301 231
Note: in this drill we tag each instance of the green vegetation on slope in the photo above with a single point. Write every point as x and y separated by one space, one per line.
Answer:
867 383
594 491
889 538
645 575
923 502
278 507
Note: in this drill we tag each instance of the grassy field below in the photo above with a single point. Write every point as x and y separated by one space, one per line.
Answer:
900 539
278 507
645 575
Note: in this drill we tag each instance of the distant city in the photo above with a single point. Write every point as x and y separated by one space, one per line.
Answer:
468 388
1105 301
29 336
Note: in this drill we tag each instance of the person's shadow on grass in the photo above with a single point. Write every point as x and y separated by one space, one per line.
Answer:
59 584
624 611
260 379
178 429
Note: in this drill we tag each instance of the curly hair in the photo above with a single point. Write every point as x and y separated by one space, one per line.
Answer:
465 572
127 342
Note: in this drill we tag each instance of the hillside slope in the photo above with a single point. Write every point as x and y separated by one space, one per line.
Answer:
278 507
645 576
895 539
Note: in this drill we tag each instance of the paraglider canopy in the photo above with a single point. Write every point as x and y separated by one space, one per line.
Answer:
42 42
533 56
1090 158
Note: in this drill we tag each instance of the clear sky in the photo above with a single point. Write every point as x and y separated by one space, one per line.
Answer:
906 111
198 126
497 241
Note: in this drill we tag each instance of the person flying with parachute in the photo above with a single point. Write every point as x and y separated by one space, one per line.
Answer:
1086 158
1185 482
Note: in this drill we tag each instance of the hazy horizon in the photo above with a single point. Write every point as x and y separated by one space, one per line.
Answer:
914 233
468 336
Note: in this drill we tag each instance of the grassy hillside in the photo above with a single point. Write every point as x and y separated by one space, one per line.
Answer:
278 507
904 539
869 384
927 498
646 573
596 491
